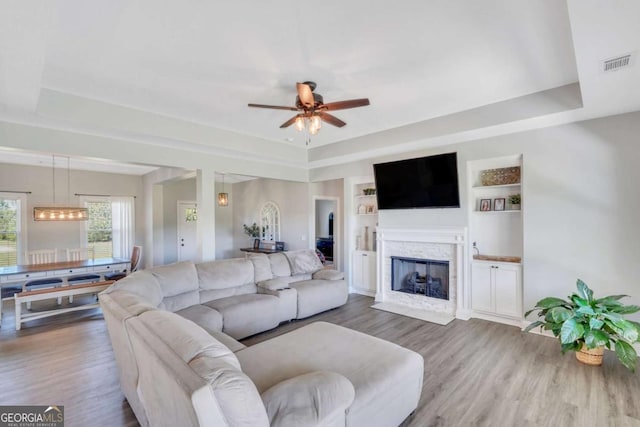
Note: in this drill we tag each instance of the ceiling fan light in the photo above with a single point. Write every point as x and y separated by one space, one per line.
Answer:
299 123
316 122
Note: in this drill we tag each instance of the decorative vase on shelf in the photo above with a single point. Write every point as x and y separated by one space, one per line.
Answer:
515 207
362 209
366 238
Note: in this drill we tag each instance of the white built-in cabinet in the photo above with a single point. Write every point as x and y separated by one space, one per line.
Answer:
364 271
362 219
496 288
496 240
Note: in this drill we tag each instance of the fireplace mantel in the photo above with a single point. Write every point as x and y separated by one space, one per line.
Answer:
438 243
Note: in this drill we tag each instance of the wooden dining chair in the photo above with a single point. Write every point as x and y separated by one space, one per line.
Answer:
42 256
136 257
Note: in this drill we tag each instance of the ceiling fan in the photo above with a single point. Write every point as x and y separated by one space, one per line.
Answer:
312 110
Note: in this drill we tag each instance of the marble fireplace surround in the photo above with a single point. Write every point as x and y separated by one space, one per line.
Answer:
441 244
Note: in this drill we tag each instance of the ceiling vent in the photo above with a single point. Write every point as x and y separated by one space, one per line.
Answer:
615 64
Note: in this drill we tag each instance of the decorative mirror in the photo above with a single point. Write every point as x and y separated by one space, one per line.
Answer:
270 222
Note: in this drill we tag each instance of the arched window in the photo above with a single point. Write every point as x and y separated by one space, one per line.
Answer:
270 222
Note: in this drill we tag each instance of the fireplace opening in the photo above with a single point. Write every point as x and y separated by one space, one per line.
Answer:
420 277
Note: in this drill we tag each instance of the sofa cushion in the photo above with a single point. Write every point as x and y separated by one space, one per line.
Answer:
181 301
261 267
142 283
226 273
245 315
328 274
234 392
188 340
309 399
132 303
303 261
279 265
206 317
386 377
316 296
176 279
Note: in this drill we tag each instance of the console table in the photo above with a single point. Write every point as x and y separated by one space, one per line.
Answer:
261 251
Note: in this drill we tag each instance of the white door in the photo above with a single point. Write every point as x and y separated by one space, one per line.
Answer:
187 222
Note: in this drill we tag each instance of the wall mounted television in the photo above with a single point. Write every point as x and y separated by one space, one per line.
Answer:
425 182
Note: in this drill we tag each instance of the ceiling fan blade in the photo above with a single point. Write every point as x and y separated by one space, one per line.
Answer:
332 120
343 105
289 122
305 94
274 107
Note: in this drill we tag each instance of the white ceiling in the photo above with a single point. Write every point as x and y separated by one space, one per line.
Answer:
418 60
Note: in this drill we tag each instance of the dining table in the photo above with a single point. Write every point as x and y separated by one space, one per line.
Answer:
63 270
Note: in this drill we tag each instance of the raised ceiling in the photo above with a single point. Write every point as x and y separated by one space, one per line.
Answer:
417 61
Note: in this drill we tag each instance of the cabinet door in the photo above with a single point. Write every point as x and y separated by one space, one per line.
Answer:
357 273
369 271
508 297
481 292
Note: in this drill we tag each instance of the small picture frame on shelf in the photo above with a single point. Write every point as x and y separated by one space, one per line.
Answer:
498 204
256 243
485 205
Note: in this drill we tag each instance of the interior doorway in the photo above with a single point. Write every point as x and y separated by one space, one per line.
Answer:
327 229
187 229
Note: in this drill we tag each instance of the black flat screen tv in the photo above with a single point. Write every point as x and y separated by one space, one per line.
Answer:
426 182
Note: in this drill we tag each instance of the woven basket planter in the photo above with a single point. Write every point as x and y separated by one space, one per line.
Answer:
590 356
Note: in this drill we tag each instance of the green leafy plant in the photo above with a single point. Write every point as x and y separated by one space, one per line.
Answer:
514 199
589 321
251 230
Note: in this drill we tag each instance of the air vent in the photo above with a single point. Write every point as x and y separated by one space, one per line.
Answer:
615 64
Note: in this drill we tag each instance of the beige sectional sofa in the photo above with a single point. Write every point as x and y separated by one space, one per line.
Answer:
242 296
173 372
174 330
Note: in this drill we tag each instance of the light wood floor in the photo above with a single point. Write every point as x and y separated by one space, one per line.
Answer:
476 372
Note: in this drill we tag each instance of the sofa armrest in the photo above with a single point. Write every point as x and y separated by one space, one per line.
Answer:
328 275
313 399
273 284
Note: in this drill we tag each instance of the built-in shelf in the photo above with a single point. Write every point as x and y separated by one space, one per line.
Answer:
499 212
483 187
365 196
368 214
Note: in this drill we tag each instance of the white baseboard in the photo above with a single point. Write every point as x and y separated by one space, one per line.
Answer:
362 292
499 319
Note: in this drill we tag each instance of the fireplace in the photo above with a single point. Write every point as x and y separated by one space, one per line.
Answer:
423 270
418 276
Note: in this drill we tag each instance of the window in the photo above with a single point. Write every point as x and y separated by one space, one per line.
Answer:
110 227
11 230
99 229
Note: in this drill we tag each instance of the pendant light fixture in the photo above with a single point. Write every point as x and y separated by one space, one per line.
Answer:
64 212
223 198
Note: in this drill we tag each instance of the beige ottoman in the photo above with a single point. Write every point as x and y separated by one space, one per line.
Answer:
387 378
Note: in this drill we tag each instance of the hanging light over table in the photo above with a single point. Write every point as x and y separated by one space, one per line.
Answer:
223 198
64 212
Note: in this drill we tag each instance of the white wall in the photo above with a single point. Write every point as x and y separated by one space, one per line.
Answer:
292 199
580 198
38 180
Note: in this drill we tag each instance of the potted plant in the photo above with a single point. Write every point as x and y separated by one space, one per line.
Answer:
252 231
514 199
586 325
369 191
